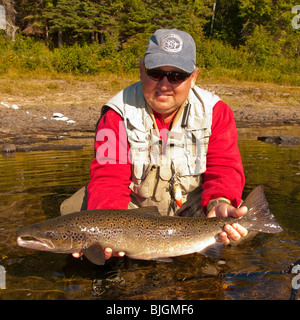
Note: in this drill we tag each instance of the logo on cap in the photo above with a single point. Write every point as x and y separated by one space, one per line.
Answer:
172 43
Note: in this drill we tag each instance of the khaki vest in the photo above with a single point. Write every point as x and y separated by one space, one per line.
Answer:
184 160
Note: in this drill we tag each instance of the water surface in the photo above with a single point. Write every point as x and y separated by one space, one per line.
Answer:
32 186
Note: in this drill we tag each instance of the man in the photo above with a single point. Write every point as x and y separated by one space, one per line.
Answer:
164 141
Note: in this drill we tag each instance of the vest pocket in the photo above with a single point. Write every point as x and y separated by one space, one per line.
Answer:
143 179
192 162
141 169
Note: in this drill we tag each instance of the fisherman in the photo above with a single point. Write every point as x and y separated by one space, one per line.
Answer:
165 142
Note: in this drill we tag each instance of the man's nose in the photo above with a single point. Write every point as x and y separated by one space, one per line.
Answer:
164 83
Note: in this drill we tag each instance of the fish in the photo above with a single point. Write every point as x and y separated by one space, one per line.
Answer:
142 233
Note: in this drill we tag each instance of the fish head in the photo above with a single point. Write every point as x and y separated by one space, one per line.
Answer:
48 236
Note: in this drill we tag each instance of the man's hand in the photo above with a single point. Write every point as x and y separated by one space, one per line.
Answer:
234 231
107 252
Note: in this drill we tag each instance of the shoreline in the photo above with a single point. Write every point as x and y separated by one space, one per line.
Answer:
78 105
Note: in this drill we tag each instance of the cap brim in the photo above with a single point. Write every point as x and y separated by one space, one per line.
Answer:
157 60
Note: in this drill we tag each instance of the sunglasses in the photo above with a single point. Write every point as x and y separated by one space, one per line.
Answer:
172 76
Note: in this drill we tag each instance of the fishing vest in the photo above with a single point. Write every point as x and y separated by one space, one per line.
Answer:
158 169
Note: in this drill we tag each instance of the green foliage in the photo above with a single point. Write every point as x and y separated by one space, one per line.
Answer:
6 54
76 59
212 54
262 47
74 18
251 39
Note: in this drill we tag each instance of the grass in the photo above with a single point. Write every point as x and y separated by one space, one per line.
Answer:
49 90
45 90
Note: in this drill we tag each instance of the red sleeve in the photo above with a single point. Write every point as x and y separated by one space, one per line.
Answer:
110 169
224 175
111 173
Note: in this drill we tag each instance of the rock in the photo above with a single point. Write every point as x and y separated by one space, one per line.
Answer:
57 115
47 147
8 148
281 140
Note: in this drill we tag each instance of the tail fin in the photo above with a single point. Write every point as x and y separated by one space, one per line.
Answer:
259 217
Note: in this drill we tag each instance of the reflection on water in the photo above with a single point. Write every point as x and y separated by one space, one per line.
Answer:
32 186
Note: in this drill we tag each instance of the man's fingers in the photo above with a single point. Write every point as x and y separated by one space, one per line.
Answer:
241 230
237 212
108 252
121 254
224 238
232 233
235 231
226 210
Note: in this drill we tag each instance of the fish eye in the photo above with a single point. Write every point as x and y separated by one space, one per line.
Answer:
49 234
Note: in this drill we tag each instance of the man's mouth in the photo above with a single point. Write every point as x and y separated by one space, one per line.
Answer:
161 95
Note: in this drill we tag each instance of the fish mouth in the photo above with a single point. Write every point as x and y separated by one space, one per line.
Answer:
30 242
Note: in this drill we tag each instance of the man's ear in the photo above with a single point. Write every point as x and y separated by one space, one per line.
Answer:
142 67
194 77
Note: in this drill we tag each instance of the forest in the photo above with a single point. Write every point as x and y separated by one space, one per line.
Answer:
252 40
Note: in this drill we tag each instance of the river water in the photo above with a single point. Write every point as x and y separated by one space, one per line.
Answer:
33 184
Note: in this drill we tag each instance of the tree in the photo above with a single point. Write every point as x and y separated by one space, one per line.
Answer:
213 17
10 13
135 18
227 23
275 18
261 46
71 19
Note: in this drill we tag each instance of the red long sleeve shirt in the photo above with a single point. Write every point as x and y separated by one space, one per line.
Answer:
109 184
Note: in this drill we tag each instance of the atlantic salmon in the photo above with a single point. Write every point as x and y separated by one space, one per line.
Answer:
142 233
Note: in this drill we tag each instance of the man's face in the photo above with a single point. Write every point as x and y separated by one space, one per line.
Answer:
163 96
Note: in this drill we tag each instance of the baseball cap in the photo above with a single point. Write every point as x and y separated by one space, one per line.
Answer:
171 47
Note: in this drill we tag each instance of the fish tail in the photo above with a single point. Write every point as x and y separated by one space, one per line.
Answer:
259 217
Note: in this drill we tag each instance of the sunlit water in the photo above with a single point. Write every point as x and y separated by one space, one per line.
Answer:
32 186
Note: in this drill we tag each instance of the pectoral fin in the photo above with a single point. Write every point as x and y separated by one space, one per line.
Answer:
213 251
95 254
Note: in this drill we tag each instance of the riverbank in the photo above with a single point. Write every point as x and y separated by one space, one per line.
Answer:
43 106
